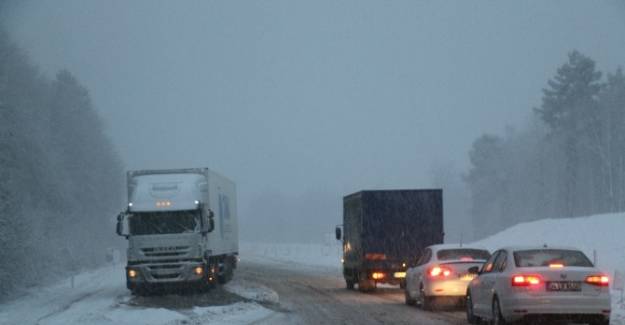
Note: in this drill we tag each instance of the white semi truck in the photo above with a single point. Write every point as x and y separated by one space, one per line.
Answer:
182 229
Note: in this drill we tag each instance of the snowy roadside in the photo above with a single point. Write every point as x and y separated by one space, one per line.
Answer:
326 256
100 297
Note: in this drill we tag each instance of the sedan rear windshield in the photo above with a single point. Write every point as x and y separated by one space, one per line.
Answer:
462 254
546 257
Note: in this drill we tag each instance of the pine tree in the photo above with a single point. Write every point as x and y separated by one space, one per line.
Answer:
569 108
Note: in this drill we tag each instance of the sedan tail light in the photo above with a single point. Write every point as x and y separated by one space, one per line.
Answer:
598 280
439 271
526 280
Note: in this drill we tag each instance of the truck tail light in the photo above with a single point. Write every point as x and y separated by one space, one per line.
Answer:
377 275
439 271
598 280
526 280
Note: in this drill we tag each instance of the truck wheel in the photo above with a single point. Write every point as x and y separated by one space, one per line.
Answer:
349 284
227 272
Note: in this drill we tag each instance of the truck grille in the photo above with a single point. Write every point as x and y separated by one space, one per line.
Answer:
172 251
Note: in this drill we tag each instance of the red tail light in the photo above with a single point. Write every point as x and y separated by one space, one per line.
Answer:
526 280
378 275
440 271
598 280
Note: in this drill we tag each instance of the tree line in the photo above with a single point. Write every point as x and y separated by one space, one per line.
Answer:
60 177
569 159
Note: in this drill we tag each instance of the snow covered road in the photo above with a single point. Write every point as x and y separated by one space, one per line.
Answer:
317 295
263 292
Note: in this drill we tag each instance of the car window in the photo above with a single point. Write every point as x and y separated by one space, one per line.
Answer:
462 254
546 257
488 266
425 257
501 262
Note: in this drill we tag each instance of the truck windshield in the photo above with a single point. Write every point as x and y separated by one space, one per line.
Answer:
167 222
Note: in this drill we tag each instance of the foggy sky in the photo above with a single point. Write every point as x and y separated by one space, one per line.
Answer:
295 97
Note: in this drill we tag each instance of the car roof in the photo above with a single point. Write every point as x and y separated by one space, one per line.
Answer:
439 247
524 248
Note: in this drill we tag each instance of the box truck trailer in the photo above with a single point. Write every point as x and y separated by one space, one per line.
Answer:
386 231
182 229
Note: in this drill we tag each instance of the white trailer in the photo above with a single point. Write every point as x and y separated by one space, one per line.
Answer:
182 229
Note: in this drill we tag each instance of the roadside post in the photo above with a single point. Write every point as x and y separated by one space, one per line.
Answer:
619 283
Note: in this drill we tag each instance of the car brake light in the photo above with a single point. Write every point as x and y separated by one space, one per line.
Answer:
525 280
598 280
439 271
556 266
466 258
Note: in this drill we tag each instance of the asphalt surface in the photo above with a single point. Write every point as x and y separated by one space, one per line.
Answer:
317 295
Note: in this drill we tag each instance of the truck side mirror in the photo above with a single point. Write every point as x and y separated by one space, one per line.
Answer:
208 224
337 232
120 225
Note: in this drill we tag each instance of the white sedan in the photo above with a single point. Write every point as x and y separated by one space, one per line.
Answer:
442 272
544 283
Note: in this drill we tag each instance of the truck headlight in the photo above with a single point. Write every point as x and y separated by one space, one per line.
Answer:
132 273
198 270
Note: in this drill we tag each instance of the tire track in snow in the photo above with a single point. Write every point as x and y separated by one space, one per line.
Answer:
67 306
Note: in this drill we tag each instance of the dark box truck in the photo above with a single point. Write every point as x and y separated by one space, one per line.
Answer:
385 231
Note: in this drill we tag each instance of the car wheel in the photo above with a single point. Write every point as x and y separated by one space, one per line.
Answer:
471 318
425 302
497 318
409 300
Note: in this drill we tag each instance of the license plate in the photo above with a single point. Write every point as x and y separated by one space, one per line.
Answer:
399 275
564 286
